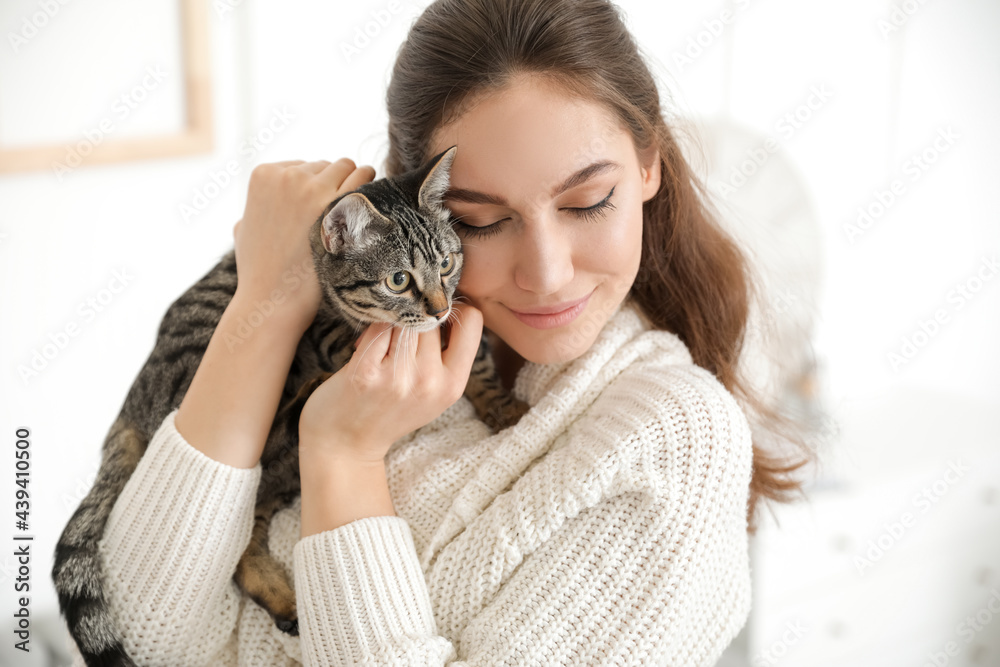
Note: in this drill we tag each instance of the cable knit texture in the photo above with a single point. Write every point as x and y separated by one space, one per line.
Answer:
608 527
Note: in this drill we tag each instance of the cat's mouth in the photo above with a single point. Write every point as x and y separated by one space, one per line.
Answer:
421 324
429 324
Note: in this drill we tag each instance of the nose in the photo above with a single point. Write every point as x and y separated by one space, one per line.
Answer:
437 305
544 262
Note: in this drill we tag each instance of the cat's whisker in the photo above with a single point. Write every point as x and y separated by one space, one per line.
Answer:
395 356
358 329
349 309
458 318
406 354
412 339
366 351
415 364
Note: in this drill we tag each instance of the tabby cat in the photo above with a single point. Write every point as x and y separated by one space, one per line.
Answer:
385 252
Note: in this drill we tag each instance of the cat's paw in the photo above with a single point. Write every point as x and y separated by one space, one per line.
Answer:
288 625
505 414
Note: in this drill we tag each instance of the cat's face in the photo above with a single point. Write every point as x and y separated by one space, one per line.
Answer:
387 252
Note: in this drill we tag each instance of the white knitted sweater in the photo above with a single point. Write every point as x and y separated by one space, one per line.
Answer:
608 527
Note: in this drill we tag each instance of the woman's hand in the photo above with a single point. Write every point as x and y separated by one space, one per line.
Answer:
394 384
284 199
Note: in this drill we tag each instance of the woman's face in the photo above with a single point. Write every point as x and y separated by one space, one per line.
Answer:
525 173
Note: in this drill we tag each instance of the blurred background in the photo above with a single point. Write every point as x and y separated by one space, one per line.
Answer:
852 147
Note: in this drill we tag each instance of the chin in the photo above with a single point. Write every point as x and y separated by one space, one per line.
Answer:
549 356
551 346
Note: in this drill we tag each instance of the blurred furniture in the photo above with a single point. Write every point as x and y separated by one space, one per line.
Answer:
891 560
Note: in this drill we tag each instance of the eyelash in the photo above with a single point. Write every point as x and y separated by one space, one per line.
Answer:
591 214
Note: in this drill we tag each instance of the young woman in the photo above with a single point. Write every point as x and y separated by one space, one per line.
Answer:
610 525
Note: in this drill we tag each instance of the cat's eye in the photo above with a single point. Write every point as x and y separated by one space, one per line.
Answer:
448 265
398 281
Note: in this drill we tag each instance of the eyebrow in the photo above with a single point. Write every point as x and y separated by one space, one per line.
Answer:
582 176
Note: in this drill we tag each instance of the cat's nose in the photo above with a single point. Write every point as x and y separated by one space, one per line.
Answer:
440 313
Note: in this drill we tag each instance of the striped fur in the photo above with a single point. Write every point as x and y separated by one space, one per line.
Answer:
363 237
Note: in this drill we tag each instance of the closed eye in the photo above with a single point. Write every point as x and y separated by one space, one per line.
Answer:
597 210
591 213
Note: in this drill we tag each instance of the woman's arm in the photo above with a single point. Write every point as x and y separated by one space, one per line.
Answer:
170 548
636 579
184 518
626 546
228 410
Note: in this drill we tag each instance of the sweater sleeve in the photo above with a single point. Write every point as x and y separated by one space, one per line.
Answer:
653 570
170 550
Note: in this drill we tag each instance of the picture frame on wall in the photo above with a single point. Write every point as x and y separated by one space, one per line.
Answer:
124 96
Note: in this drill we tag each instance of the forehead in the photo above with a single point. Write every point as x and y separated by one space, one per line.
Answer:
530 136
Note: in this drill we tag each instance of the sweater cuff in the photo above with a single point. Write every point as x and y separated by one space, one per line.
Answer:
361 592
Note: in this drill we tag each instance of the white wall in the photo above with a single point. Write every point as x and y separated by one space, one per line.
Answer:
893 430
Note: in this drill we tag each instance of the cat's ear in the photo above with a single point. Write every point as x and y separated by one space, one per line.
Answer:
351 223
435 183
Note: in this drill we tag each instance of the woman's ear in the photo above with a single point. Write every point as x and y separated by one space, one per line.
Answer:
649 170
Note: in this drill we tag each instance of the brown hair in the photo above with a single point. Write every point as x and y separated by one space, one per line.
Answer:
695 280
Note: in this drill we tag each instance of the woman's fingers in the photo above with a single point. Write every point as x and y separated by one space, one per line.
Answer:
315 166
288 163
428 352
344 176
396 343
463 340
401 351
357 178
374 343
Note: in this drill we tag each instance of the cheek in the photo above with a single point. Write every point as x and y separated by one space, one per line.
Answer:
480 271
631 241
614 246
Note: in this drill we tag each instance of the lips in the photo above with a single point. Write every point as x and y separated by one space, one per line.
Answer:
555 316
550 310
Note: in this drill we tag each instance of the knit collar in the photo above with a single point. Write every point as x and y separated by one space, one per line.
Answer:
558 394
